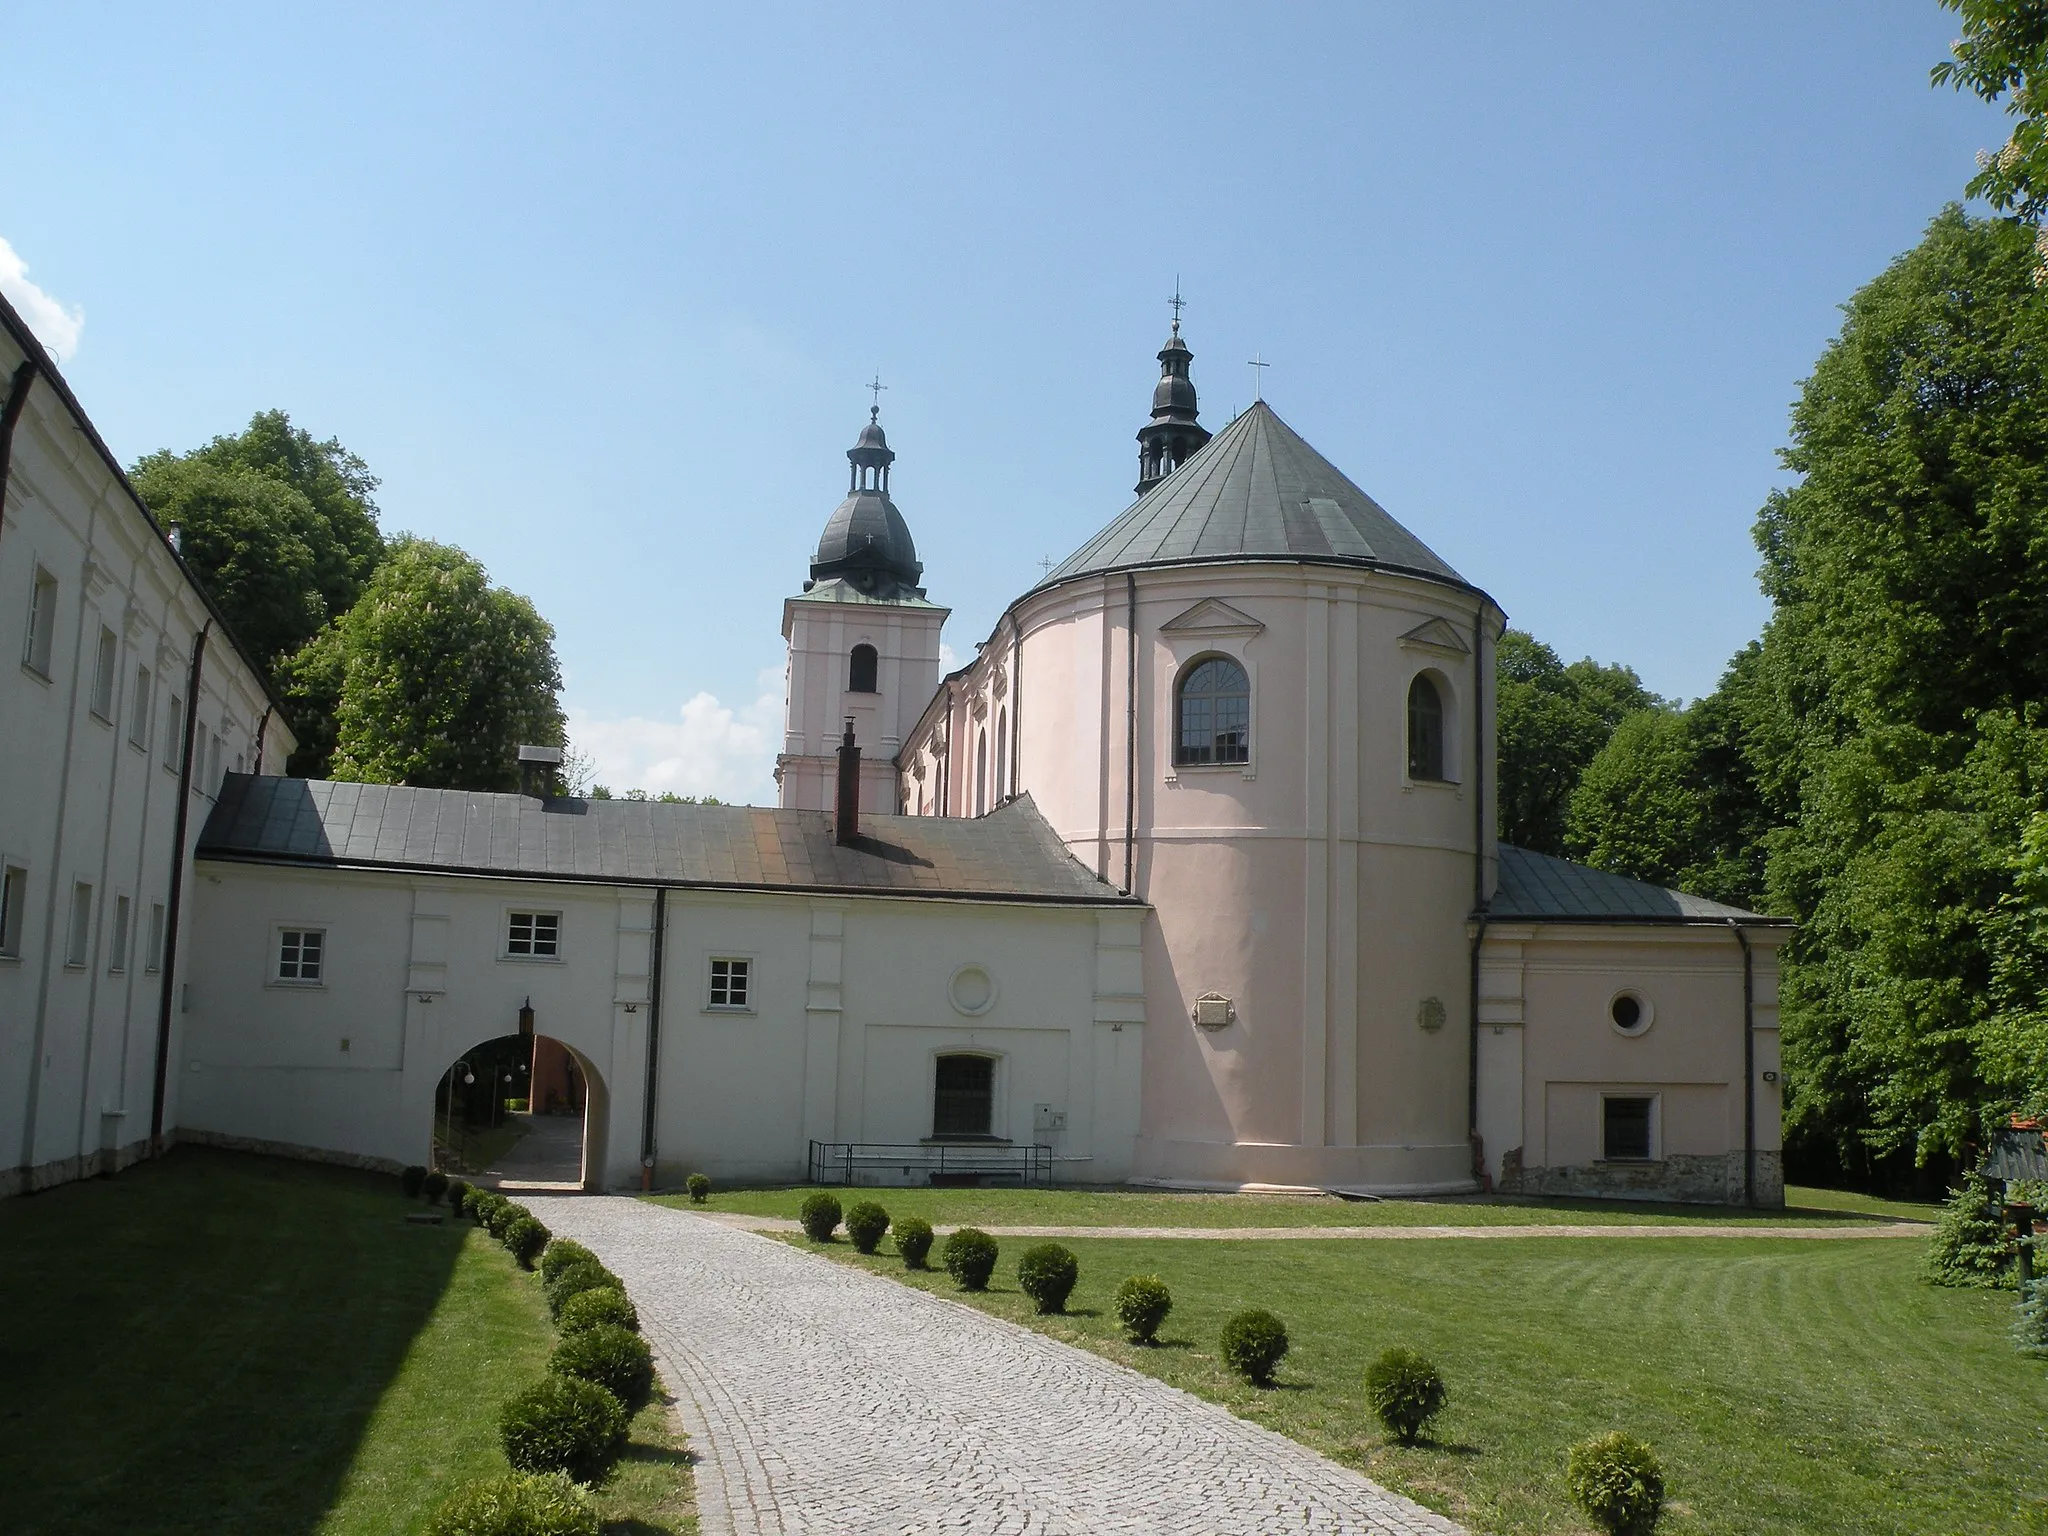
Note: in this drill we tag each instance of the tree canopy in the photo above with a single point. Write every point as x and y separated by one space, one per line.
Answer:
1551 720
2003 53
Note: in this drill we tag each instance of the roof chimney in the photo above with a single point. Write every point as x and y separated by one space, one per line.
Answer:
537 769
848 828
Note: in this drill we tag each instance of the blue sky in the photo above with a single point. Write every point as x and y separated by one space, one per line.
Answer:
596 289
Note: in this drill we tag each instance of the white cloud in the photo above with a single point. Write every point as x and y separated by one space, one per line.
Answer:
709 748
948 657
55 326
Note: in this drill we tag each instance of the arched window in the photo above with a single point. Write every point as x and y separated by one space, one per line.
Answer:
1213 713
1002 755
1425 729
860 671
981 772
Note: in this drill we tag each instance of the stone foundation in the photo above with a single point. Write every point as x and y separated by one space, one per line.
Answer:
67 1170
1692 1180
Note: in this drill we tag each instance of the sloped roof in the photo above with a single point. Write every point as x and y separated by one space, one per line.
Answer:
1256 491
1008 855
1537 886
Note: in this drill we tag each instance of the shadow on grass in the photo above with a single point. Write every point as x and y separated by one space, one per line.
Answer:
198 1344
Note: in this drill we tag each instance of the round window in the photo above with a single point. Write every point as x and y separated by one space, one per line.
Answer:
1630 1012
972 990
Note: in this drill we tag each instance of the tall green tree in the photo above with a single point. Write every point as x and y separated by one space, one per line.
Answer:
435 676
1551 720
1637 808
2003 55
1907 660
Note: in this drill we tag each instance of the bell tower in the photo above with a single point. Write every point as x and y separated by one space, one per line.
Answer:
1173 434
863 641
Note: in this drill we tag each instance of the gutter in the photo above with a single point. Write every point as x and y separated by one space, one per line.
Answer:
1748 1064
653 1036
168 991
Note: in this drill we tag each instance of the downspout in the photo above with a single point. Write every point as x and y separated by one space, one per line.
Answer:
179 822
10 413
653 1035
1748 1064
1478 875
1131 738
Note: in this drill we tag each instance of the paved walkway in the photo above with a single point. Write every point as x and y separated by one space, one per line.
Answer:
548 1157
821 1399
747 1223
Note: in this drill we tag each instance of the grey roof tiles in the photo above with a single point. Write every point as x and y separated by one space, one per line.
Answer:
1537 886
1008 855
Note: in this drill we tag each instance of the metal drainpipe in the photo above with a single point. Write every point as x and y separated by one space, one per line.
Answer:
10 413
653 1035
179 823
1478 862
1131 738
1748 1064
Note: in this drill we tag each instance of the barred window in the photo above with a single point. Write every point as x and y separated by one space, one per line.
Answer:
1625 1129
300 953
1213 710
536 934
731 983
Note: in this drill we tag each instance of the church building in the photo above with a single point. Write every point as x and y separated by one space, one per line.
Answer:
1189 878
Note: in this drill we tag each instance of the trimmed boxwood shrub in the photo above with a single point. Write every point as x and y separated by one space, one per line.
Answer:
500 1214
1253 1343
1406 1391
1047 1274
523 1504
699 1187
616 1358
563 1424
433 1186
1616 1480
561 1253
970 1258
481 1204
1142 1303
526 1237
819 1215
458 1195
865 1224
410 1181
913 1240
587 1275
586 1309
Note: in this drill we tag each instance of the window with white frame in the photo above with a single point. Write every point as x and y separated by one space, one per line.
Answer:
13 908
138 710
534 935
41 640
117 951
104 659
732 982
174 734
1212 714
1425 729
154 954
78 942
301 954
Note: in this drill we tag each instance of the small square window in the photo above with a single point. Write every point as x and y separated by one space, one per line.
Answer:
732 983
1625 1132
42 624
154 954
117 957
13 908
103 663
301 952
535 935
78 943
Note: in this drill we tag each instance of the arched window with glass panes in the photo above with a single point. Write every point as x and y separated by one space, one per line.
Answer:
860 670
1425 729
1212 712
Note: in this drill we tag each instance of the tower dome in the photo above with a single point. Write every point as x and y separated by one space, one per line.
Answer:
1173 434
866 543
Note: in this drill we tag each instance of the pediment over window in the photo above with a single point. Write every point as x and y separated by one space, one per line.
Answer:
1437 635
1213 616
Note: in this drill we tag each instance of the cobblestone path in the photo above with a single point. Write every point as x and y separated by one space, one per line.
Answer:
747 1223
820 1399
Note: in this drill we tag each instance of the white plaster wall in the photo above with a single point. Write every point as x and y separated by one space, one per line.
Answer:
85 803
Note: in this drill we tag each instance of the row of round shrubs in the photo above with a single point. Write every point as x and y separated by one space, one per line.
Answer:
569 1427
1615 1478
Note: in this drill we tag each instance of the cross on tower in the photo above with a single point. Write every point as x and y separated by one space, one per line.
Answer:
1257 366
1177 302
877 386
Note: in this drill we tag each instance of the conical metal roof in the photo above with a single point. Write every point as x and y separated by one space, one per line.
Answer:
1257 491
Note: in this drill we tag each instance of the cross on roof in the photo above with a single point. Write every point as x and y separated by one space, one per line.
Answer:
1258 366
877 386
1177 302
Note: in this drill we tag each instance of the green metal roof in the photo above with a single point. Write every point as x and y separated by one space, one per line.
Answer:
1256 491
1537 887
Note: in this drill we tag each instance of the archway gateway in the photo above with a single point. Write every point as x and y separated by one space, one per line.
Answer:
521 1112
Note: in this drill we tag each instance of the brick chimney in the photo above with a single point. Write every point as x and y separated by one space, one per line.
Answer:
848 827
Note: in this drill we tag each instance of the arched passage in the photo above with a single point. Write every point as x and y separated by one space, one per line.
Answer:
522 1112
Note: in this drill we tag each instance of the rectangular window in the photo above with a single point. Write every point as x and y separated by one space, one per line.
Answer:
963 1102
731 983
138 710
42 623
300 953
78 944
103 663
1626 1132
13 909
536 935
155 952
174 734
117 957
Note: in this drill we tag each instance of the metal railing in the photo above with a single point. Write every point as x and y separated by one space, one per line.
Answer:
881 1162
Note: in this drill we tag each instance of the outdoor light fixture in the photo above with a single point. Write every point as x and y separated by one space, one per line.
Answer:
526 1017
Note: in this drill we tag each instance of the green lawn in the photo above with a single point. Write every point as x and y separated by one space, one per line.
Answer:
1789 1386
1157 1208
222 1344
